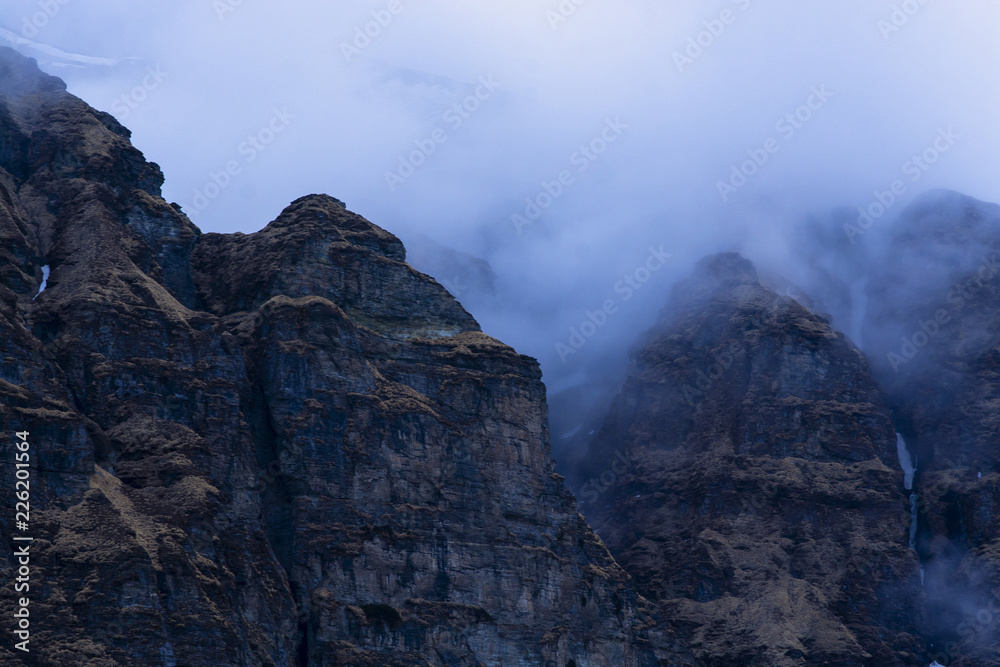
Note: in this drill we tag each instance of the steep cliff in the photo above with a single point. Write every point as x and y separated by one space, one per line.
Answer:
933 327
747 478
281 448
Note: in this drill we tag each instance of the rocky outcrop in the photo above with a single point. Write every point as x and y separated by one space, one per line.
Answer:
933 329
336 255
281 448
747 478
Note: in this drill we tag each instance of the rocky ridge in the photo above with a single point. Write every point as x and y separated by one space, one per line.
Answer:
279 448
754 490
290 447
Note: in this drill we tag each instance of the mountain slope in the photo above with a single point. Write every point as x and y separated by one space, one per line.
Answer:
933 327
746 476
281 448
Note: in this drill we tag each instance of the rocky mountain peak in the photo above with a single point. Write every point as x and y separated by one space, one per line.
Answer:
325 217
23 79
713 276
745 421
280 448
948 216
316 247
67 138
290 447
727 269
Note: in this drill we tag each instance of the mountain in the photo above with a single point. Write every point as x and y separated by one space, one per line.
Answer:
933 328
293 448
747 477
279 448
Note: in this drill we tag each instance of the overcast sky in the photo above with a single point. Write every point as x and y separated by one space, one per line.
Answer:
619 120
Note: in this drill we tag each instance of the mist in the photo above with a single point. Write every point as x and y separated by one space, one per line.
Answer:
590 151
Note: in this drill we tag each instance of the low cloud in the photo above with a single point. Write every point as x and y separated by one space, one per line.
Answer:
698 85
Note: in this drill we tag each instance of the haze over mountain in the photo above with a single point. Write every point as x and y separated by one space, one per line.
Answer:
282 448
228 65
627 193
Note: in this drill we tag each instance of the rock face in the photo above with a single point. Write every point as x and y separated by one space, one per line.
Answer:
933 326
282 448
747 478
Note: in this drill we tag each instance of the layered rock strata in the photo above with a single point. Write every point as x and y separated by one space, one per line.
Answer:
747 478
279 448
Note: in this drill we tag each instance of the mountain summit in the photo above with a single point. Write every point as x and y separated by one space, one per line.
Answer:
279 448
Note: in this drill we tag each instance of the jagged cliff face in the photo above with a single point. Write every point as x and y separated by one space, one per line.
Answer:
933 327
282 448
747 478
292 448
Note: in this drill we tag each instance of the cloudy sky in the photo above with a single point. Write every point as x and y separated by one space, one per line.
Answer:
572 144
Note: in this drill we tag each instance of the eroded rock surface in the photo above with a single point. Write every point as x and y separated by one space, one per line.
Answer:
281 448
933 326
747 478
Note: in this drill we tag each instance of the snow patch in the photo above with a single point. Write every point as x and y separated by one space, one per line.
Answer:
45 280
905 462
